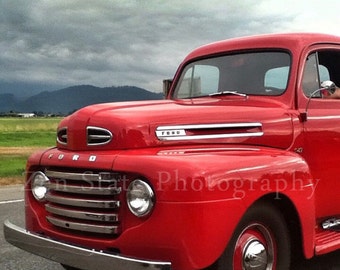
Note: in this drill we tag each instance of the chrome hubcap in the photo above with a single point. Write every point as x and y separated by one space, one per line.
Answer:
255 256
255 249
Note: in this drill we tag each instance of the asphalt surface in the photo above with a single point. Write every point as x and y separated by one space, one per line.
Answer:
12 258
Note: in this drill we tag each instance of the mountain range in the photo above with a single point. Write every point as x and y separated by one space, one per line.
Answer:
67 100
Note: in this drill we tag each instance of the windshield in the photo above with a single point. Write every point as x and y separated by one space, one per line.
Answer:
255 73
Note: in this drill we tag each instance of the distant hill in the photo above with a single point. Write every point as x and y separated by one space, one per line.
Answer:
7 101
69 99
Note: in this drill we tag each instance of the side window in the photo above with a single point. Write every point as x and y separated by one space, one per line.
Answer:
329 60
186 84
324 73
310 80
320 66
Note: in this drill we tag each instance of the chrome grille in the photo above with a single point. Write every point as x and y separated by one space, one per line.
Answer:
62 136
84 202
98 136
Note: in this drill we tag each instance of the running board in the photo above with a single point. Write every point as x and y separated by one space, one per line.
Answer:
326 241
327 236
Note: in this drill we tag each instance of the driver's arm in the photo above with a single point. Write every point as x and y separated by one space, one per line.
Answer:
335 95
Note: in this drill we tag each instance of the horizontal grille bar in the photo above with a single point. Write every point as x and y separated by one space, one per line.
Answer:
84 227
102 177
83 189
104 204
86 201
82 214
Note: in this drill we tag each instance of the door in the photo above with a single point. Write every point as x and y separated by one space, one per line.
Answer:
322 128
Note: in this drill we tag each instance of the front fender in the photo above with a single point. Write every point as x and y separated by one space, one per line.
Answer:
239 174
282 174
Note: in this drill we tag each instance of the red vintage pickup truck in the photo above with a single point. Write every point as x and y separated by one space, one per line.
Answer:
238 168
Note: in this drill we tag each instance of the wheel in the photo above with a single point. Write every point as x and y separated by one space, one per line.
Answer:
260 242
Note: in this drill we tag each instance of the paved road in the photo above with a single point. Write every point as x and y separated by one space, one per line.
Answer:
12 258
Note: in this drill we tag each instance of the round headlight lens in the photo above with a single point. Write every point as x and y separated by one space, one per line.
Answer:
140 198
39 185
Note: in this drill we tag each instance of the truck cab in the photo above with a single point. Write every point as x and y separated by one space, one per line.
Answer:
237 168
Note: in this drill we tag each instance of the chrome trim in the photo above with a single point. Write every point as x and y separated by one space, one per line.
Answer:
331 224
103 204
75 256
211 126
71 225
102 138
147 196
102 177
178 132
75 199
170 132
184 151
84 190
86 215
255 256
63 136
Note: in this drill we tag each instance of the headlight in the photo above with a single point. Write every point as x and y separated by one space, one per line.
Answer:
140 198
39 185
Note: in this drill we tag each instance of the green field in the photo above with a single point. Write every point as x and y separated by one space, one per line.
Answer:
16 132
19 137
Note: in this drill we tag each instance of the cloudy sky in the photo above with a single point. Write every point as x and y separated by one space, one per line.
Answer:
48 44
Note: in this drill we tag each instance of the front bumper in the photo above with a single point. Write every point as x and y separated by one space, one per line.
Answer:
75 256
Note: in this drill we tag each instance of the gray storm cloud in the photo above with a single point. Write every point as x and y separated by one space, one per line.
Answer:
115 42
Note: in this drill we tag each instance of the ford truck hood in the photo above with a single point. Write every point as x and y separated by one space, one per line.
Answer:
128 125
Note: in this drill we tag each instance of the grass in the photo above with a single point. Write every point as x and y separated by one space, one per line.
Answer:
22 139
28 131
8 124
19 137
11 165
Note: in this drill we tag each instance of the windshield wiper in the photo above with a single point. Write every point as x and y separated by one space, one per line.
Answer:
222 93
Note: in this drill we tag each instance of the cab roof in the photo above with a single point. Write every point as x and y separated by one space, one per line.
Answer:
290 41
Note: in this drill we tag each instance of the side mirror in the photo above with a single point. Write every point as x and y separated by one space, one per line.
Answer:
166 86
325 86
329 86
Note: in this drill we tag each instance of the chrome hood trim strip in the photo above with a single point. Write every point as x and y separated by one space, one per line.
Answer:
179 132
